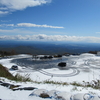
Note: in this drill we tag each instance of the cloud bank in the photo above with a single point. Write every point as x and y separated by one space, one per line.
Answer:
35 25
7 6
43 37
29 25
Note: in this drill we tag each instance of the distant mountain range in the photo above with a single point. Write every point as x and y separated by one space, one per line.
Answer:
33 47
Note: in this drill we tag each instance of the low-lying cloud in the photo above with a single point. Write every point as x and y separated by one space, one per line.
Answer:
43 37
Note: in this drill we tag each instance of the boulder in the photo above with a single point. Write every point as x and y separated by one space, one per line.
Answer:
38 92
63 96
44 95
5 84
25 88
10 86
85 96
52 93
58 56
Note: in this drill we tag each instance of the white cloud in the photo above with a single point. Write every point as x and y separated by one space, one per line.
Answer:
35 25
5 20
3 12
18 31
3 8
13 5
5 25
43 37
29 25
7 31
9 24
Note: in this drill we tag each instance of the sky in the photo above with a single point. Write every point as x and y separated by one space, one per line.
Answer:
50 20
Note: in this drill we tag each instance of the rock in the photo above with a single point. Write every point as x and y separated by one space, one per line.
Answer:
38 92
63 96
29 88
57 95
58 56
44 95
25 88
13 86
95 98
52 93
50 57
1 82
10 86
83 96
5 84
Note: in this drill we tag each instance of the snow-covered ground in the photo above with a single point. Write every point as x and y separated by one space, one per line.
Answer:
85 67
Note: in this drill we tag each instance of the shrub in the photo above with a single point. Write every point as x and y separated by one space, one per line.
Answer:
5 73
21 78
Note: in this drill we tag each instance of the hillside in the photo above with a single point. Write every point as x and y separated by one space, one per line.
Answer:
32 47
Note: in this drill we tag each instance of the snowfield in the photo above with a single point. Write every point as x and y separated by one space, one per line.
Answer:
82 68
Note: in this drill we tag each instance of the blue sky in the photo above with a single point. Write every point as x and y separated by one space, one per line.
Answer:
50 20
